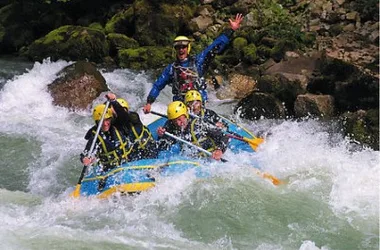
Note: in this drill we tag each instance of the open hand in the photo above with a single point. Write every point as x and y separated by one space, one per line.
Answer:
147 108
161 131
111 96
87 161
235 24
217 154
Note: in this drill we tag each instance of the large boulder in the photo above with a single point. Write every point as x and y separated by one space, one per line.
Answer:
239 87
259 105
70 43
314 105
78 85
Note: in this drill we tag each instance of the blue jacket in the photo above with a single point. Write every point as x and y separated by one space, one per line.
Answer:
201 62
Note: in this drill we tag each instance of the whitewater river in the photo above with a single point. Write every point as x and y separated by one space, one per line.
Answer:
330 201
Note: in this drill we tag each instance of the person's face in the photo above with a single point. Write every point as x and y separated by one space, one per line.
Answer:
106 124
181 52
181 122
195 107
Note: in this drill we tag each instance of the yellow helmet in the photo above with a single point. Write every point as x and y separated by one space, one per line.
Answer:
123 103
98 112
176 109
182 40
192 95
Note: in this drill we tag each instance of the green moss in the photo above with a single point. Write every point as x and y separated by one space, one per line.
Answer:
55 36
250 53
97 26
70 43
120 22
239 43
263 51
121 41
144 57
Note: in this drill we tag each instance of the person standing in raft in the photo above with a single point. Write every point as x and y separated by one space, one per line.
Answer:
129 122
187 72
192 130
111 146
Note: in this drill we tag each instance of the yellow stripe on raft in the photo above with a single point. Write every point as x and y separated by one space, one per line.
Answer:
126 188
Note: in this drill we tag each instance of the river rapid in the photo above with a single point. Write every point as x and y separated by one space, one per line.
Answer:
330 201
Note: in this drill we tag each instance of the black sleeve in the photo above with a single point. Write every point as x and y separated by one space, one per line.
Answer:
212 117
150 99
124 115
219 138
229 32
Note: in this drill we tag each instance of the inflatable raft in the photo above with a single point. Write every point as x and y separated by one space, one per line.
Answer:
141 175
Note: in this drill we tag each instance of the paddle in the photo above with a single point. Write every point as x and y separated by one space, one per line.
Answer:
254 143
76 192
273 179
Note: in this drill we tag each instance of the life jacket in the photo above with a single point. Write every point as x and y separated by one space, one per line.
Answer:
198 139
114 148
143 138
186 78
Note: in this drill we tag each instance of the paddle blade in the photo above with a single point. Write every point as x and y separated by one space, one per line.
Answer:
275 181
76 192
254 143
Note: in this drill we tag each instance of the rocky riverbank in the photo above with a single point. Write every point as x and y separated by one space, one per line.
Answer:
290 59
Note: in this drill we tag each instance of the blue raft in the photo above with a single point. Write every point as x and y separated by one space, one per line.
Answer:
138 176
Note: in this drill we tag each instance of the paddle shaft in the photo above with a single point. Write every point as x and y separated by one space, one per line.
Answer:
192 145
90 152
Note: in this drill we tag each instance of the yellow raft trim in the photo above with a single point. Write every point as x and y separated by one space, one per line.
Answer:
126 188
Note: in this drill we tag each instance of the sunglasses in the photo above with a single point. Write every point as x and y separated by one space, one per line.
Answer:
177 47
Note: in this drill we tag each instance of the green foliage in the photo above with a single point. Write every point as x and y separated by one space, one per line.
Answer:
97 26
250 53
239 43
277 30
144 57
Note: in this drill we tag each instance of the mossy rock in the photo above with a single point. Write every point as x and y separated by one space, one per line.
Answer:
122 23
97 26
250 53
363 127
120 41
70 43
238 44
156 23
143 58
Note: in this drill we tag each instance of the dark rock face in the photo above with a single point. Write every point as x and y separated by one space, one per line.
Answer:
258 105
314 105
79 84
362 126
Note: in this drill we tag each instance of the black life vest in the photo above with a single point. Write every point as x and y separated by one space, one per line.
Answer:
186 78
